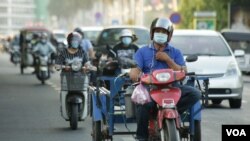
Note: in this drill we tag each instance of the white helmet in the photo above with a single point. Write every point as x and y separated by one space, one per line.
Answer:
126 32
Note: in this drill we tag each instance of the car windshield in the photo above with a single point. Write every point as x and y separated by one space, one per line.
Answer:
244 45
238 40
111 36
58 35
91 35
200 45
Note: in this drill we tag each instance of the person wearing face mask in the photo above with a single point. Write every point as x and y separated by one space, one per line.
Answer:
85 44
160 55
73 51
125 48
44 47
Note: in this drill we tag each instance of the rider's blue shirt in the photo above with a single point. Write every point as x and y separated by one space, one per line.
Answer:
145 58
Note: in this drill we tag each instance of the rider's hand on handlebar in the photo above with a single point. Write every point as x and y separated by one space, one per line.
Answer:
134 74
67 68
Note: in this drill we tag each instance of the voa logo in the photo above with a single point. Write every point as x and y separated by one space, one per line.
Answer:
236 132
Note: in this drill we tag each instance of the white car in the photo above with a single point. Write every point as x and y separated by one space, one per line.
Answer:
215 58
91 32
239 42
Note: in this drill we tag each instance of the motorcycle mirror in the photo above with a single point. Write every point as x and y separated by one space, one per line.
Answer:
192 58
98 55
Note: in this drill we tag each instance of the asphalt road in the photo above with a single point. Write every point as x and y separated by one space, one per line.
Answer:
30 111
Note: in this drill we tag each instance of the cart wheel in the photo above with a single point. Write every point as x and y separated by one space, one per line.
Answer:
96 131
21 68
197 131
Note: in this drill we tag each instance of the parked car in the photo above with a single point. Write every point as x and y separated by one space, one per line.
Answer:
215 59
92 32
240 44
110 36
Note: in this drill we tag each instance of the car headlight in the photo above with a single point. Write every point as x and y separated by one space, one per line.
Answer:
231 69
163 77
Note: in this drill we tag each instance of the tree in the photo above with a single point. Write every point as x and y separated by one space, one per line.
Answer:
188 7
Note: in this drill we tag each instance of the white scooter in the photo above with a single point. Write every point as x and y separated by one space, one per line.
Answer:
42 70
74 93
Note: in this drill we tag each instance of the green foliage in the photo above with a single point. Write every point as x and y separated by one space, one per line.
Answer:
188 7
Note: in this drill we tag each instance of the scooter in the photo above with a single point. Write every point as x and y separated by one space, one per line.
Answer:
42 68
15 56
165 123
74 97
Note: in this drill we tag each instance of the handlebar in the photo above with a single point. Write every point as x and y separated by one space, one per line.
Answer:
190 73
89 68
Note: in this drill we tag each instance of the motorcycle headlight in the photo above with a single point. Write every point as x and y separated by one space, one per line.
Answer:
163 77
231 69
76 66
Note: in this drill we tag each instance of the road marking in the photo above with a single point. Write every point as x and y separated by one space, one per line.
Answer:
244 101
54 86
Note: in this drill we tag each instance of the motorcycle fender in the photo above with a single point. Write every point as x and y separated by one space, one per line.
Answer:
161 95
76 100
166 114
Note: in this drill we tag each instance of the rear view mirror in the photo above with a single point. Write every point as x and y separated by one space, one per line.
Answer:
239 52
192 58
98 55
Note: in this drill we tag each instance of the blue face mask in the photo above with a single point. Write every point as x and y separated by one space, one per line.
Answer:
74 44
160 38
44 40
126 40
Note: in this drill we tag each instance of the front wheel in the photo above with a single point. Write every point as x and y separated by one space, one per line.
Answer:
169 131
43 76
74 116
21 68
235 103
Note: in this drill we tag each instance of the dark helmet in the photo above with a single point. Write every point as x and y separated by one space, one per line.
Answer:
164 23
79 30
75 36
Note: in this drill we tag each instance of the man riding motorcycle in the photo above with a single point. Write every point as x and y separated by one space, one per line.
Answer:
44 47
160 55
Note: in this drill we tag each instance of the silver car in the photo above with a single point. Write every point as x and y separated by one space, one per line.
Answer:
239 42
216 59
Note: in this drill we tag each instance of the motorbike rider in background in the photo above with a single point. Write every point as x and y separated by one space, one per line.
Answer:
44 47
14 47
85 44
74 51
126 48
160 55
123 51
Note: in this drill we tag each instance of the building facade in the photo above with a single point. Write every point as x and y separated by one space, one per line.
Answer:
15 14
